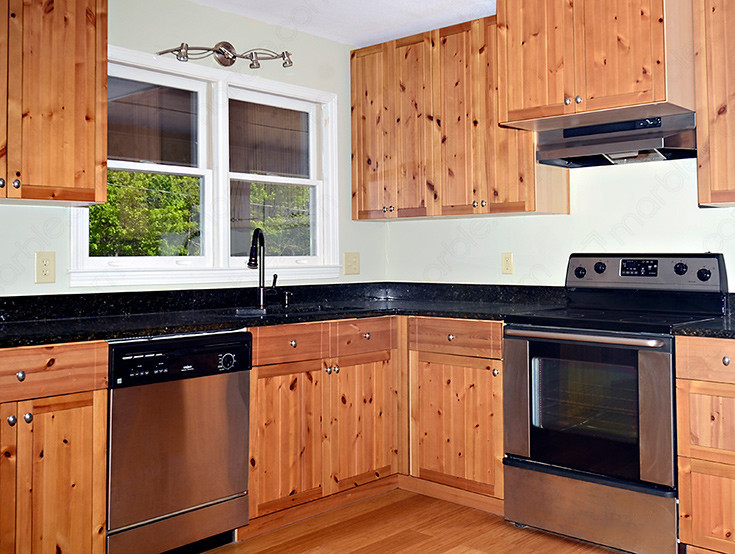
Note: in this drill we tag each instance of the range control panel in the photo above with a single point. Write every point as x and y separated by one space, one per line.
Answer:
155 360
671 272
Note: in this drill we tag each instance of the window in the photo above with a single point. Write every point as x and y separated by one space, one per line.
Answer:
197 159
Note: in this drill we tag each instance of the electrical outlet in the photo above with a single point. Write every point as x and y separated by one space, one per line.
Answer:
45 267
352 263
506 263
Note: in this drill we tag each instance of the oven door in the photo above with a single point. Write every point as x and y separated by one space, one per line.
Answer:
591 402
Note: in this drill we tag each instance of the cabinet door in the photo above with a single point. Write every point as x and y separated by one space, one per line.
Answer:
8 457
4 30
707 497
620 53
410 86
286 451
373 171
536 61
360 433
461 125
456 421
57 120
715 81
61 474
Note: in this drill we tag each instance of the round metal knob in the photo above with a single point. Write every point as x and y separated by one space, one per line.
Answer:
293 343
12 420
336 369
2 183
474 204
385 209
328 370
483 203
21 375
391 208
725 361
367 336
28 417
567 100
450 337
496 372
578 99
16 184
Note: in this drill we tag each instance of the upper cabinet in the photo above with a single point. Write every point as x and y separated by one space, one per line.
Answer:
54 77
564 63
715 70
425 134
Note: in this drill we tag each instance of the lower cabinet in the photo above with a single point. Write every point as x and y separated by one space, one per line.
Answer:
324 425
456 404
52 473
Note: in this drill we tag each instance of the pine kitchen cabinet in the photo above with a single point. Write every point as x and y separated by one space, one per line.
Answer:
715 75
705 389
53 462
53 75
323 416
564 63
425 137
455 373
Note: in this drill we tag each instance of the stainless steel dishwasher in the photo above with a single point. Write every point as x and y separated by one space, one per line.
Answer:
178 440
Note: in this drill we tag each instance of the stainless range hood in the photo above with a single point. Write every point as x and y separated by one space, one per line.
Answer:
652 139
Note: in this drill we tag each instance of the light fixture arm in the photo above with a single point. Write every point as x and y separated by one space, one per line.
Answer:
226 55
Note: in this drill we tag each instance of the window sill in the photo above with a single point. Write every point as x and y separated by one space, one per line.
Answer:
191 276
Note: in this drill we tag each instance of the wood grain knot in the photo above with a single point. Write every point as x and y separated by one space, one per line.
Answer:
50 362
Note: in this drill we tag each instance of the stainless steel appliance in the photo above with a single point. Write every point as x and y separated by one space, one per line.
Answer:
589 398
178 441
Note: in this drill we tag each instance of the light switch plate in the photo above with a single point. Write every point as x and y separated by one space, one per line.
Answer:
507 263
352 263
45 267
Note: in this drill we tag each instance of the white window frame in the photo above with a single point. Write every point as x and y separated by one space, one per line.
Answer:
216 265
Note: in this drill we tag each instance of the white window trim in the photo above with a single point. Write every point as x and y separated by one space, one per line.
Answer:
216 265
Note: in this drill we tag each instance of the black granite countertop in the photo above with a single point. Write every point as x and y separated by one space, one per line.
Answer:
719 327
25 320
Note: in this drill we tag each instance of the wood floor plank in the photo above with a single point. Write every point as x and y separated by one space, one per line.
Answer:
399 522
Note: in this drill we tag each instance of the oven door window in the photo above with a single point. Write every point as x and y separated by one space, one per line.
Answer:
584 408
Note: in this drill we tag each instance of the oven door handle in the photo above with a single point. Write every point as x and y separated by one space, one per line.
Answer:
580 337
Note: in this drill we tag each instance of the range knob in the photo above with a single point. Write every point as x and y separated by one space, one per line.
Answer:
227 361
704 274
580 272
681 268
600 267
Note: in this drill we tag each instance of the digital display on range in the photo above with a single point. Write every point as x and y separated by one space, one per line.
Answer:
639 268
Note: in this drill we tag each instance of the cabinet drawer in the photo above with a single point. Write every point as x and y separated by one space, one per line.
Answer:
37 371
464 337
705 359
356 336
289 343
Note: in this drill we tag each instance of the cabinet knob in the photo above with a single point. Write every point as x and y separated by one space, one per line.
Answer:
725 361
293 343
2 183
474 204
21 376
391 209
12 420
567 100
496 372
367 336
578 99
328 370
16 184
385 209
483 203
28 417
450 337
336 369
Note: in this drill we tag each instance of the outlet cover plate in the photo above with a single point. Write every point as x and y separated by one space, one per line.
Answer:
507 263
45 267
352 263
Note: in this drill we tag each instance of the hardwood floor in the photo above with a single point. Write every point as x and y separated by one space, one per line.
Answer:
401 521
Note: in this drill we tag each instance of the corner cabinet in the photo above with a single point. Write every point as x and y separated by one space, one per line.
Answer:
425 138
563 62
53 74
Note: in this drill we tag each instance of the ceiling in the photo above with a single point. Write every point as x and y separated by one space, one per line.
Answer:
357 22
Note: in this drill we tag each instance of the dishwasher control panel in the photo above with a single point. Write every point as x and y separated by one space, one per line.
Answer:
160 359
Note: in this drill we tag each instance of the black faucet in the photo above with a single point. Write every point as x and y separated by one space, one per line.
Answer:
257 261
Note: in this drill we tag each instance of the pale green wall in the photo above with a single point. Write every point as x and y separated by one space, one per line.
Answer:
638 208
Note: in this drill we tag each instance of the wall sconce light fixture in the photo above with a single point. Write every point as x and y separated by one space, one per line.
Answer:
226 55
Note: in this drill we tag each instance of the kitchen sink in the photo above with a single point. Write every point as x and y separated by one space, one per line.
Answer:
305 309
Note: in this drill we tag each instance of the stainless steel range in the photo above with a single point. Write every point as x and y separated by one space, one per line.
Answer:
589 398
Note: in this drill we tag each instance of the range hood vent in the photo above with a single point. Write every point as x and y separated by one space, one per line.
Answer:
641 140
